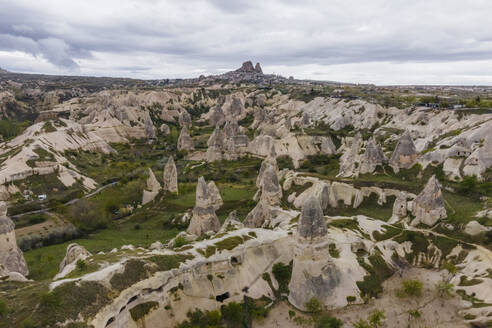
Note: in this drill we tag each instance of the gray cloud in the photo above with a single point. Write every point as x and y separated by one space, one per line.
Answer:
95 37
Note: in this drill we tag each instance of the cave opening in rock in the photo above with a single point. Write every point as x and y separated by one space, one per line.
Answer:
133 298
222 297
110 321
234 260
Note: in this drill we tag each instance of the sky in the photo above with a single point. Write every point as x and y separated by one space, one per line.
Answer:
359 41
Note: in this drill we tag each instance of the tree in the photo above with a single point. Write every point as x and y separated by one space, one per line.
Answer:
362 324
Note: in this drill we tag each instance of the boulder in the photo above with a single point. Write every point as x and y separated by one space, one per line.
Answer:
11 257
170 177
473 228
312 224
405 153
428 207
184 140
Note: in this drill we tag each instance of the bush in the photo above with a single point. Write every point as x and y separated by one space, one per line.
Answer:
180 241
327 321
313 305
141 310
351 299
27 323
412 288
282 274
232 313
81 265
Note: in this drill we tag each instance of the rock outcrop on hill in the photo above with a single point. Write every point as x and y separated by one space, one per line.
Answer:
170 176
227 143
428 207
204 218
400 208
11 257
152 189
184 140
405 154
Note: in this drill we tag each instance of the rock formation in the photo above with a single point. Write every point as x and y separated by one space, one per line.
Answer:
227 143
11 257
270 187
312 224
405 153
259 216
170 177
184 119
165 130
150 130
152 189
428 207
204 218
74 253
399 208
214 195
232 222
372 158
184 140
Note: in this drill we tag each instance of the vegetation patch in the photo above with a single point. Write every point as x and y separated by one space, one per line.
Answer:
141 310
168 262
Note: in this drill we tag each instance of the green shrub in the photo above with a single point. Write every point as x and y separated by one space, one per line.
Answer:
327 321
412 288
282 274
232 313
314 305
351 299
180 241
334 252
141 310
27 323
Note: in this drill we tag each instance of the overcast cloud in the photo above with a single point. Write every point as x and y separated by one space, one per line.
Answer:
383 42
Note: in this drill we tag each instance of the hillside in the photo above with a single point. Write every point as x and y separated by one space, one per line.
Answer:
243 199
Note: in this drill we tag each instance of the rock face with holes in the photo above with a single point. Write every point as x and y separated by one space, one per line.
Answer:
204 218
405 153
153 188
170 176
11 257
184 140
428 206
314 274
